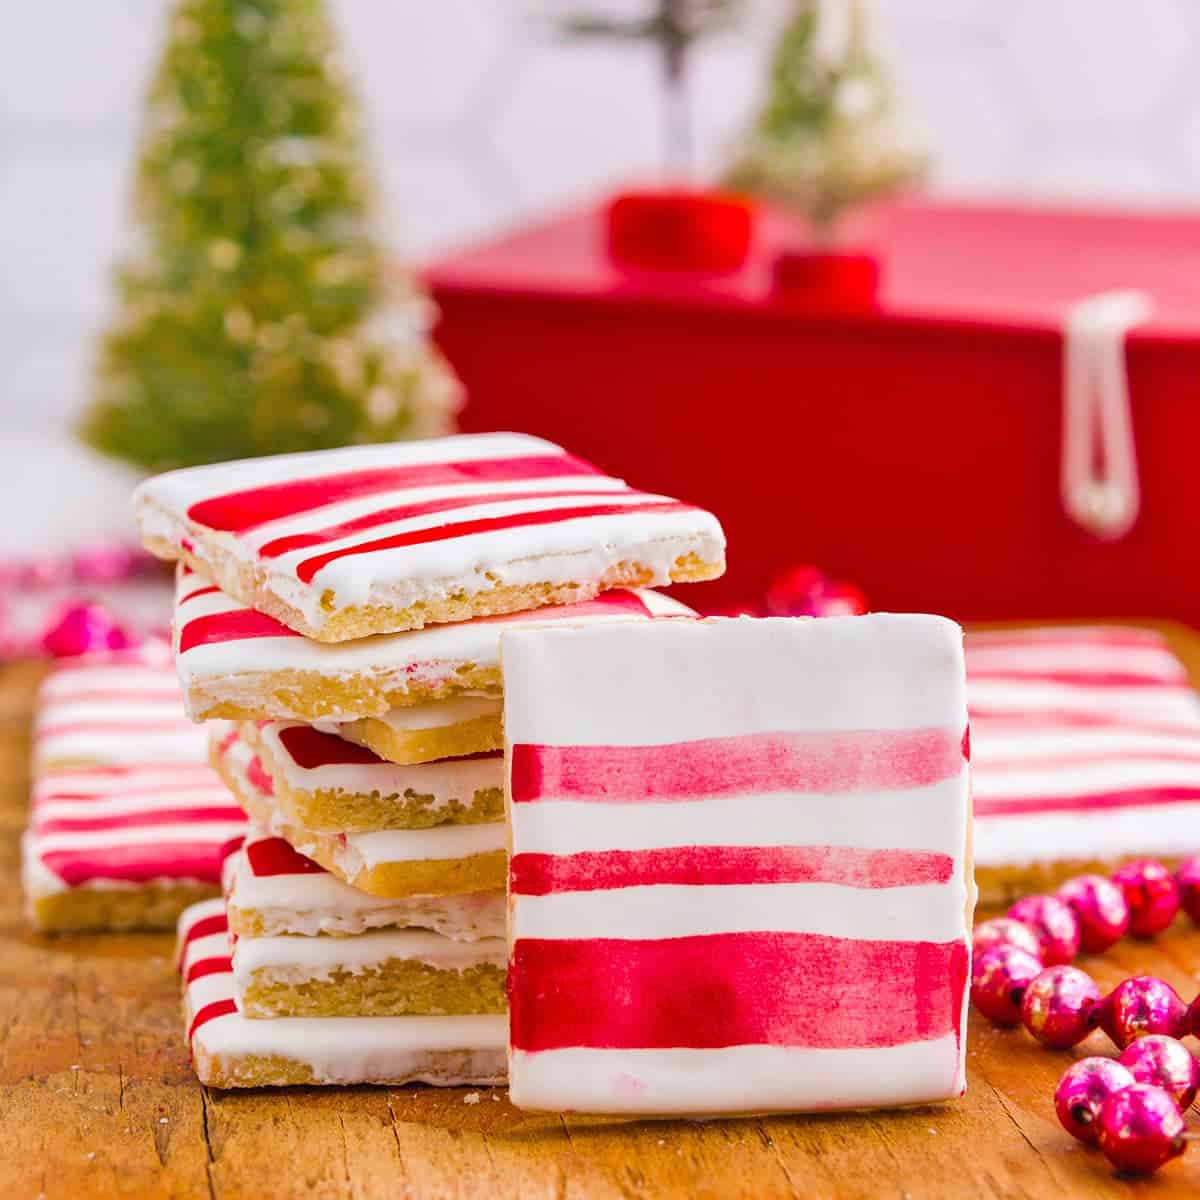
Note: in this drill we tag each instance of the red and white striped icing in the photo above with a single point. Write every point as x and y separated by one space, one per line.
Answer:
114 711
400 524
291 894
309 760
128 826
357 852
716 826
338 1050
1086 745
224 650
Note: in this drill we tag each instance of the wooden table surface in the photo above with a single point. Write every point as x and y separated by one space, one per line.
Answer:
97 1097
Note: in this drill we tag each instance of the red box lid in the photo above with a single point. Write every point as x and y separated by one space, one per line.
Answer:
1001 266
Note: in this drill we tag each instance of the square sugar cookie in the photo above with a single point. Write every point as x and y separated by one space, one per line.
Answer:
230 1050
330 784
393 863
339 544
240 664
125 848
272 889
1086 748
740 878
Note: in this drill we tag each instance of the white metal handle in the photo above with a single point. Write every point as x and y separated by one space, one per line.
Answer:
1099 473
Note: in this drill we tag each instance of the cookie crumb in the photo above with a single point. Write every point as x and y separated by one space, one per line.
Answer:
471 1098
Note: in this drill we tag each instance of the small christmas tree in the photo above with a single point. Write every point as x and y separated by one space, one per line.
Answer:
829 135
257 313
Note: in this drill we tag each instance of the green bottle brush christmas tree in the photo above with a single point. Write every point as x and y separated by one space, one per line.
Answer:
257 314
829 135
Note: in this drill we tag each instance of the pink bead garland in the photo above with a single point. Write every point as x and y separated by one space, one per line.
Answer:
1131 1109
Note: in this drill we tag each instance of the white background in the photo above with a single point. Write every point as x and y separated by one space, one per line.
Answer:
480 116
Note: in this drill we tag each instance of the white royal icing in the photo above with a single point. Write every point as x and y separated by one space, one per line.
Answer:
566 551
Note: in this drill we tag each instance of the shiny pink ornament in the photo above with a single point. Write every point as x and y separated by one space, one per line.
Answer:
999 978
1187 880
1139 1129
1100 908
1193 1017
1057 1006
807 592
1167 1063
1004 931
1054 925
1141 1006
1082 1091
1152 896
80 628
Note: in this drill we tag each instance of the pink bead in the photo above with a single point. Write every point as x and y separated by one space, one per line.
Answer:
998 980
1152 896
1054 925
1141 1006
1167 1063
808 592
1082 1090
79 628
1058 1004
1139 1129
1192 1020
1004 931
1187 880
1100 908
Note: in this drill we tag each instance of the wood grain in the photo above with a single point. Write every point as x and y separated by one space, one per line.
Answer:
97 1097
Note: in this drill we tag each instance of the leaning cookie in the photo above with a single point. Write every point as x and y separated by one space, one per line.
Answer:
237 663
272 889
329 784
230 1050
441 861
341 544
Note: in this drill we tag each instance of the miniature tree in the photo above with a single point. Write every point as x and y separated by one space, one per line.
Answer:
257 314
829 135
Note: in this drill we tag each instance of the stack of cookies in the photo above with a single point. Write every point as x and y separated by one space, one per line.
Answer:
338 619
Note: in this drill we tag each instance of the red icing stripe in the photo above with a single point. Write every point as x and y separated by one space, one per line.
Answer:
311 748
733 989
237 512
207 590
1008 806
231 626
217 923
543 874
178 725
308 568
274 856
1079 679
207 966
405 512
140 820
48 793
841 761
1005 720
210 1012
257 776
60 698
142 862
